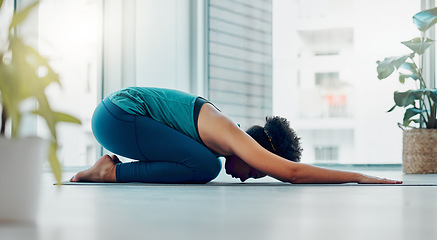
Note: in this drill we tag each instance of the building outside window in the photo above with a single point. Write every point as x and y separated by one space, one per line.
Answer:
325 80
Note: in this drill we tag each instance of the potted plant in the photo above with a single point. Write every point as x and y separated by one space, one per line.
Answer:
419 123
24 76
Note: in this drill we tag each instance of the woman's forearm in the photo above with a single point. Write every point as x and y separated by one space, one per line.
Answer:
303 173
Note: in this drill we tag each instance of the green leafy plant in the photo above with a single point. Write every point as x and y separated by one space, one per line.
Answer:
25 74
420 103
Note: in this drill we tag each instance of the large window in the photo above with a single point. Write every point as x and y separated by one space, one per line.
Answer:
69 35
325 79
324 66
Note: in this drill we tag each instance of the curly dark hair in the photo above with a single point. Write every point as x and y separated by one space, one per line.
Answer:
278 137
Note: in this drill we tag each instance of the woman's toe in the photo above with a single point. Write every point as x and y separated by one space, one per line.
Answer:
115 159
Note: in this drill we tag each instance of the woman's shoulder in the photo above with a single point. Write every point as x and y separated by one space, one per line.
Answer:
217 130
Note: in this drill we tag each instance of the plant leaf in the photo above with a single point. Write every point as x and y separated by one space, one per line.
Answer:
392 108
20 16
408 70
402 78
54 162
407 123
47 113
432 93
425 19
388 65
411 112
9 85
62 117
51 117
23 72
39 61
419 45
59 117
403 99
432 121
31 60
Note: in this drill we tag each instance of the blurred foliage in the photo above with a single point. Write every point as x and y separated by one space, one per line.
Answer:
25 74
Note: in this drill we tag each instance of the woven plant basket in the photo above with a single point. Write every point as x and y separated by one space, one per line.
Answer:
419 151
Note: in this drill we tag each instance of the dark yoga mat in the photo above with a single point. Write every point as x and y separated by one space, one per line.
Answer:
231 184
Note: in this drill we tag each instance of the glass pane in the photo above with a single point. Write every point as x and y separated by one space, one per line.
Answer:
325 79
69 35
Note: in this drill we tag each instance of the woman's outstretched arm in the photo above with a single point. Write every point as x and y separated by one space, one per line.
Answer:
223 136
312 174
287 171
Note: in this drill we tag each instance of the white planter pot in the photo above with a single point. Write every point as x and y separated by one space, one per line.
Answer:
20 173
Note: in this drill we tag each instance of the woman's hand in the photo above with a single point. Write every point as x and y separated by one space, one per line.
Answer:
364 179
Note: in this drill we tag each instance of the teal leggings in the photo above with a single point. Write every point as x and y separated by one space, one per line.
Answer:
164 155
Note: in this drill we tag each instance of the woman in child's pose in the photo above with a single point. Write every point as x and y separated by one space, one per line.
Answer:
177 138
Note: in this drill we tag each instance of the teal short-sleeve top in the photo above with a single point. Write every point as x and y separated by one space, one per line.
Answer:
171 107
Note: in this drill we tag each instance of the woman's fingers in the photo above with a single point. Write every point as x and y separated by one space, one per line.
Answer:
376 180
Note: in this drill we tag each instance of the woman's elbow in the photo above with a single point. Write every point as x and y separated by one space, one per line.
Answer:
291 175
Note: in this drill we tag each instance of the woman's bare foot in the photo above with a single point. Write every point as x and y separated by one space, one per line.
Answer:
102 171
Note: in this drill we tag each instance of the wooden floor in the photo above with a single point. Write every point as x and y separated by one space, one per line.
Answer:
237 211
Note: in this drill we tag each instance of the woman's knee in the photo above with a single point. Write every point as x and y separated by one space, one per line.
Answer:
114 129
208 171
